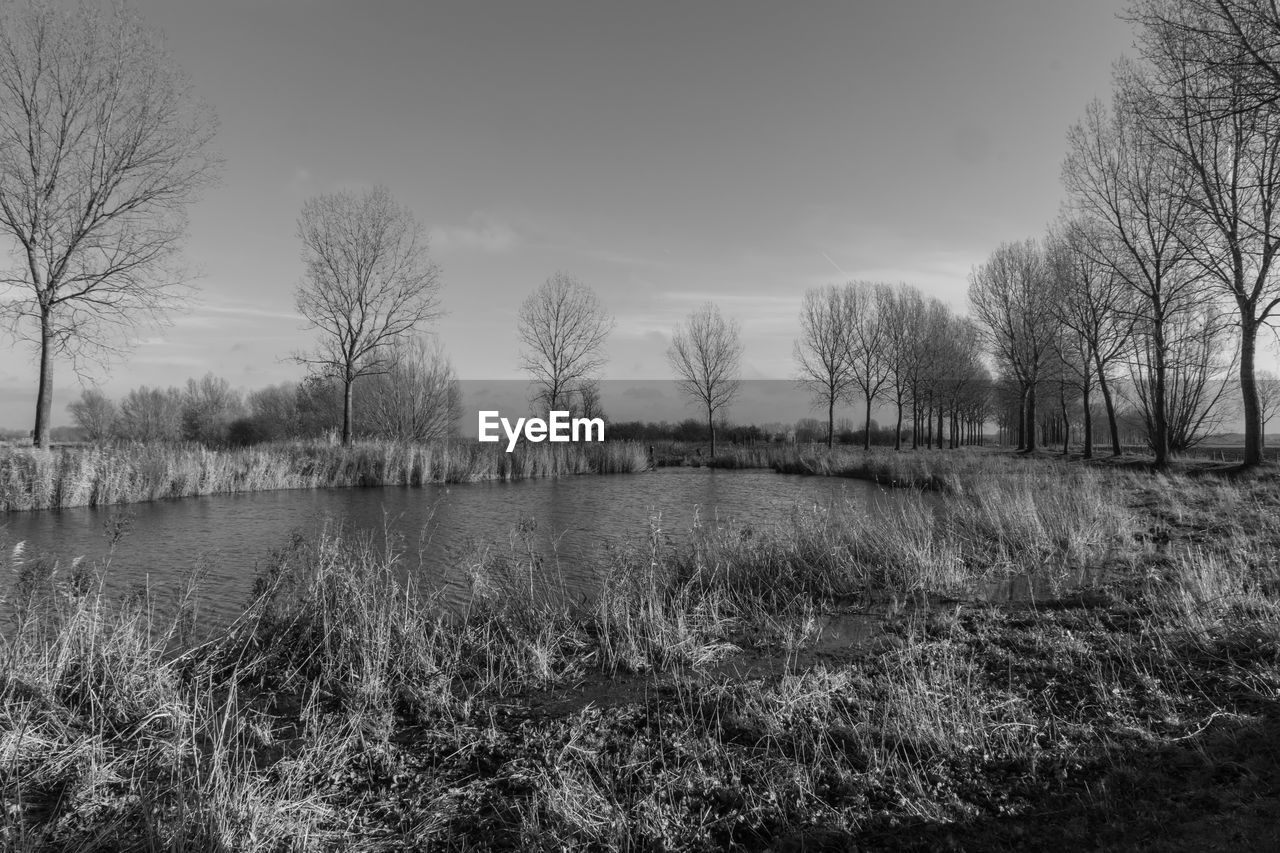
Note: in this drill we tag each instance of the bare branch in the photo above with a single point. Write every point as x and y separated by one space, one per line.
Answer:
102 148
562 330
706 354
369 284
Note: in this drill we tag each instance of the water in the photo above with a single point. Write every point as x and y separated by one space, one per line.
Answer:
437 527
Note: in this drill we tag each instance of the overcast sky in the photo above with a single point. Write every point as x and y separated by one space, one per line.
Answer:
663 153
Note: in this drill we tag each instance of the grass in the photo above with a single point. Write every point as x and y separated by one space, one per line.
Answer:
692 705
130 473
948 471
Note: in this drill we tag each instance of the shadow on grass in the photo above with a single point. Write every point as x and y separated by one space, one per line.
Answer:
1216 791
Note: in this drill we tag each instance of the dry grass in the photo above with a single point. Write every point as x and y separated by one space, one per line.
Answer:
98 476
341 709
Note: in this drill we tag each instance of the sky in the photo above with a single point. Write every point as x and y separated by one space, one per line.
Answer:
664 153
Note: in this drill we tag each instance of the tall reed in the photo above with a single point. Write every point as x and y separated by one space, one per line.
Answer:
343 710
130 473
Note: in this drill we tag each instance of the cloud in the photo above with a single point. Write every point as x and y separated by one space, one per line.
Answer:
223 315
480 234
194 321
751 301
253 311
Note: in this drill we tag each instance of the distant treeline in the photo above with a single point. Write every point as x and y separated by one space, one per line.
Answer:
803 431
416 400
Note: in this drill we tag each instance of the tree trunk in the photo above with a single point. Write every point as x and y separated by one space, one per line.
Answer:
917 431
1088 422
1022 421
1160 417
347 384
44 392
1116 449
897 432
866 426
1249 392
1029 415
711 425
831 422
1066 424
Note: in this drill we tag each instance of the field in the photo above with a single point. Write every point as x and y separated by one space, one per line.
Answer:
702 702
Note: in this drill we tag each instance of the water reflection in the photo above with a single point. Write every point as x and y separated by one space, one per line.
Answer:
439 527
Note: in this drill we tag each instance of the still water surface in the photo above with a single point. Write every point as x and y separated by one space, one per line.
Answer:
438 527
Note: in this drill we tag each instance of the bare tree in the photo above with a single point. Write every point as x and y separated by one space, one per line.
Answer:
319 407
807 430
102 148
1200 105
901 311
822 351
273 412
964 377
975 395
1138 192
151 414
1268 398
590 405
209 405
369 283
1011 295
1095 309
706 354
866 346
1198 362
927 363
95 414
1067 374
1241 37
418 398
562 329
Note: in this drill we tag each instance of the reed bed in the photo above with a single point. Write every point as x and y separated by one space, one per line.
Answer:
1006 524
343 710
131 473
942 471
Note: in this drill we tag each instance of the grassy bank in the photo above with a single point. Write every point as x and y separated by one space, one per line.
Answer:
695 704
943 471
98 476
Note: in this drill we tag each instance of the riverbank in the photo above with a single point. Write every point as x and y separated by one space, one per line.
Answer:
697 704
133 473
924 469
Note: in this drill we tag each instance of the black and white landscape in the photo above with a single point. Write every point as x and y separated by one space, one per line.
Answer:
652 426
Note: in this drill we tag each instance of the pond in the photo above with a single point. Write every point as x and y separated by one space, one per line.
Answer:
439 527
